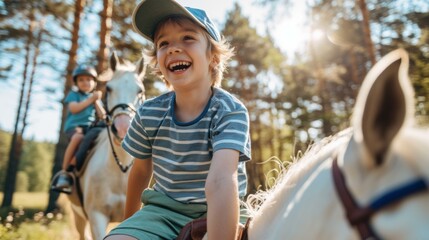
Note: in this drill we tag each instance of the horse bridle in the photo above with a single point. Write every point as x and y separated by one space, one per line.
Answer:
110 116
359 217
125 109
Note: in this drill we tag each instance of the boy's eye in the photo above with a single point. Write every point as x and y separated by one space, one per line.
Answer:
188 38
162 44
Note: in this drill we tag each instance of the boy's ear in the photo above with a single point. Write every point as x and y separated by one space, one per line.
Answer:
214 61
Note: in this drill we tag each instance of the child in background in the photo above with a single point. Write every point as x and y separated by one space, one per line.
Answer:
80 115
194 139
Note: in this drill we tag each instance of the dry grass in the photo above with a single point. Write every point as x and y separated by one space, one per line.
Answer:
22 224
35 200
61 229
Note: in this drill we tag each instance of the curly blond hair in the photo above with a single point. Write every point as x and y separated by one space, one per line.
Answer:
221 52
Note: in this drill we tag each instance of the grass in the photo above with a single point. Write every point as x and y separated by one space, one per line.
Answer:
36 200
26 220
25 205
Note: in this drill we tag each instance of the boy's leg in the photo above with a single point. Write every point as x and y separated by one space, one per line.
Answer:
119 237
126 237
75 140
160 218
65 179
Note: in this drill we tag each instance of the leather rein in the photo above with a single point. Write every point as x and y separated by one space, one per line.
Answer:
359 217
110 116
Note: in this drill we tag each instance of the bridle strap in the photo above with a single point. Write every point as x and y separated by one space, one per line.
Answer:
122 106
124 168
359 216
109 121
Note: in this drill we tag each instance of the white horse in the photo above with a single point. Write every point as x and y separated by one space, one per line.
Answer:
381 169
103 183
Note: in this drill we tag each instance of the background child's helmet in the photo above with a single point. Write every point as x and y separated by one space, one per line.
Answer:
84 70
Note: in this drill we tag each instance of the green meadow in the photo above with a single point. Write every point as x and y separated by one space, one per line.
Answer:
26 220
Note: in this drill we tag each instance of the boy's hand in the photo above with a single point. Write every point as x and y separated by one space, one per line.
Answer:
96 95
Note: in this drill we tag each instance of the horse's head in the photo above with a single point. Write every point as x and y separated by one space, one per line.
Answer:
387 157
382 163
124 91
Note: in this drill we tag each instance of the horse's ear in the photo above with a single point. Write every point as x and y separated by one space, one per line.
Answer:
384 103
141 68
114 60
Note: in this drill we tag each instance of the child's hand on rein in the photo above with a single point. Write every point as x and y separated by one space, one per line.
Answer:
96 95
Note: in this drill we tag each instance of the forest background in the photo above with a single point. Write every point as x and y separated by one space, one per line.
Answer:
294 98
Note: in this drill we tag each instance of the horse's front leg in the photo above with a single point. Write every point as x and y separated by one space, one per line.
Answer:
99 222
80 223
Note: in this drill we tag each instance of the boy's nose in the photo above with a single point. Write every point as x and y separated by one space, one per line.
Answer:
174 49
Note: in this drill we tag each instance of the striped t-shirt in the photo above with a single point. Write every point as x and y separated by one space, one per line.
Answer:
182 152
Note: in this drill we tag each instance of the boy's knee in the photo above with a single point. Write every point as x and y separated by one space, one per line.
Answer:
77 137
119 237
78 130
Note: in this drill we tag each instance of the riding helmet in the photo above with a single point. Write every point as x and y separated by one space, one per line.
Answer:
84 70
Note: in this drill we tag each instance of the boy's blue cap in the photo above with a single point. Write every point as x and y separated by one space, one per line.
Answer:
149 13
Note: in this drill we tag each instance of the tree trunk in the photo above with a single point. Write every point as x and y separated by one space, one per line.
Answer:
367 31
62 142
280 140
274 130
17 141
105 29
253 166
33 72
354 66
259 176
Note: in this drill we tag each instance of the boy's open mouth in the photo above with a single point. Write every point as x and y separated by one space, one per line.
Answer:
179 66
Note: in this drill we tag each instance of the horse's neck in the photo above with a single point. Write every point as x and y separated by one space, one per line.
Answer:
290 182
416 153
103 157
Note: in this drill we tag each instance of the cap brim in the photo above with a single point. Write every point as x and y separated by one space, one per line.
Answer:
148 13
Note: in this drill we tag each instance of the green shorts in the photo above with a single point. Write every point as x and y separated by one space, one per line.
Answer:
160 218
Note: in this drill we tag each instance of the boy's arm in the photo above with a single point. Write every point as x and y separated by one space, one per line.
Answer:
99 109
138 180
77 107
222 196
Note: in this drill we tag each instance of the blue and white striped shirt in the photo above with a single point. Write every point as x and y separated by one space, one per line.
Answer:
182 152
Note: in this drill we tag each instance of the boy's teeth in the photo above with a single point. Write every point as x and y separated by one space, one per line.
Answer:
177 65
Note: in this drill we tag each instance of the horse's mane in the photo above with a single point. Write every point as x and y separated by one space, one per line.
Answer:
291 172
